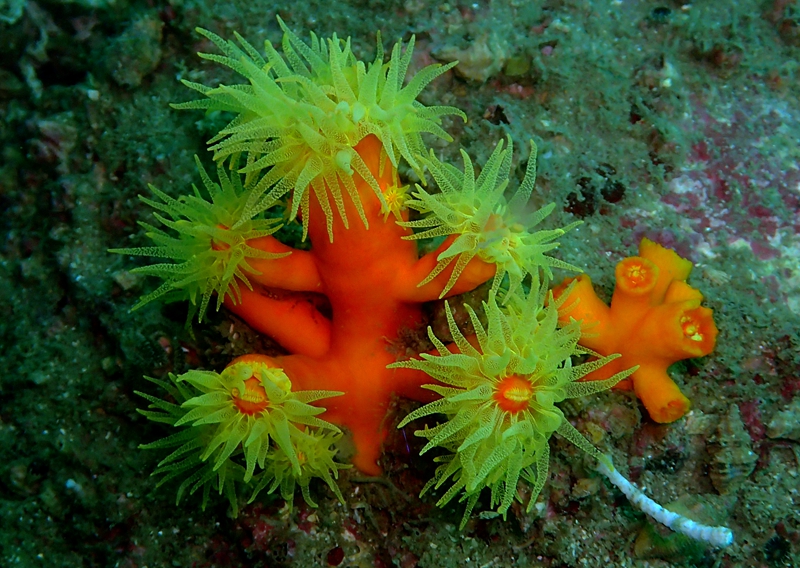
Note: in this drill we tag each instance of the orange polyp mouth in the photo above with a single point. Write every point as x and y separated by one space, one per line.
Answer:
513 394
691 328
253 400
672 411
636 275
698 331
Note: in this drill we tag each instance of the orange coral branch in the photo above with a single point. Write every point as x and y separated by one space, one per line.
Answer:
584 305
290 319
297 271
475 273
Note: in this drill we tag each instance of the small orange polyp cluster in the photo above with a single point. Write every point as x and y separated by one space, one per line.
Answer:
513 394
655 319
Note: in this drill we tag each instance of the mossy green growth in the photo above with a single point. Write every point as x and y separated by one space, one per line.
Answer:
486 224
303 112
500 395
240 421
208 243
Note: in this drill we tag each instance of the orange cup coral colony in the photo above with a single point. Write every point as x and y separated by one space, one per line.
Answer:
654 320
318 135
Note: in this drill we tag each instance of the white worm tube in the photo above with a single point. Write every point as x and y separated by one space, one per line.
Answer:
717 536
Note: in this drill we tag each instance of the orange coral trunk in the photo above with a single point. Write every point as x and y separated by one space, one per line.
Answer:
359 273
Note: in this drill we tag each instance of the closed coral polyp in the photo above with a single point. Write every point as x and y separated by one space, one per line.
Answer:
636 275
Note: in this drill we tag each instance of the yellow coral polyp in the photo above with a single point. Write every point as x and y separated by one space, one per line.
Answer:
396 197
699 330
691 329
209 242
484 224
300 115
499 391
239 424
